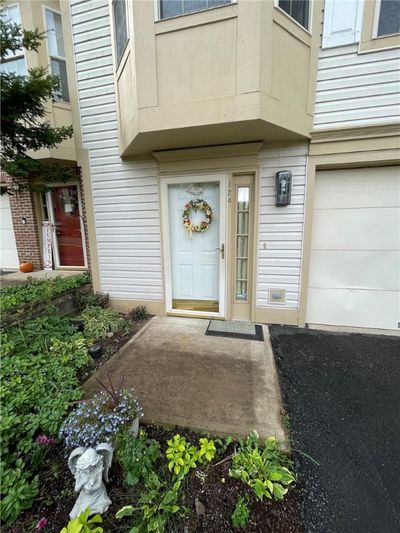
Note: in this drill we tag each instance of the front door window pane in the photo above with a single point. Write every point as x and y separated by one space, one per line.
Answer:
242 242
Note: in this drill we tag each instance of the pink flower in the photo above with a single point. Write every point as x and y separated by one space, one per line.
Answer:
41 524
44 439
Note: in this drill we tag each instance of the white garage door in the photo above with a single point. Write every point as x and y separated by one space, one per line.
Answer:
8 248
355 250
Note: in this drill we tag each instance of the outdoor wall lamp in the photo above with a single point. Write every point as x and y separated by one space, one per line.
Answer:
283 185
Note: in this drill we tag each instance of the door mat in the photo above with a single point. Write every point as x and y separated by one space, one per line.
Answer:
235 329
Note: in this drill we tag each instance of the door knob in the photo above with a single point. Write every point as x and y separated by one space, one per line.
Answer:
222 250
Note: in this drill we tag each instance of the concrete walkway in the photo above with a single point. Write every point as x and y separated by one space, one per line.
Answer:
214 384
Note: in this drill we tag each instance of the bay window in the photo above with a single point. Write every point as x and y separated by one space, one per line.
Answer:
389 17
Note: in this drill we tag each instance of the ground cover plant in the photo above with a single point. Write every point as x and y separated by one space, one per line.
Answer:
44 361
39 290
39 370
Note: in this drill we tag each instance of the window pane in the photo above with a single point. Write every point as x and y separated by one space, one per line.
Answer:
59 68
120 27
54 34
241 269
242 223
241 290
242 247
172 8
243 198
389 17
14 66
297 9
11 13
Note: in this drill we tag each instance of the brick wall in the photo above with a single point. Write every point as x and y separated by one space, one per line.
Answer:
25 224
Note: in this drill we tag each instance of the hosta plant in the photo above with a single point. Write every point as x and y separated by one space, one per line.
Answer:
262 468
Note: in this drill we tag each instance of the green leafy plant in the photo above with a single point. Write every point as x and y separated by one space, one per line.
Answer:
98 322
241 513
41 361
207 450
39 290
158 503
137 456
139 313
263 469
92 299
181 455
84 524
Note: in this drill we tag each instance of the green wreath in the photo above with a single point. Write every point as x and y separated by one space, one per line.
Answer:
197 205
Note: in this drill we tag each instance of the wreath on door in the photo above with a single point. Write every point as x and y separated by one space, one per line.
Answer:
194 206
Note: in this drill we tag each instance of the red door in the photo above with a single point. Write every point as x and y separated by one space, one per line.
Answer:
67 223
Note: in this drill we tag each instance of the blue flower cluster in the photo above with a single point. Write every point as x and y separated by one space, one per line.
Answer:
95 421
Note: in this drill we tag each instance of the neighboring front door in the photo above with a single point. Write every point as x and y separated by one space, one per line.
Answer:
66 220
196 260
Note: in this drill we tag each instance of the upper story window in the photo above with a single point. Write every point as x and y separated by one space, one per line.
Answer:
13 63
120 28
55 42
299 10
173 8
389 17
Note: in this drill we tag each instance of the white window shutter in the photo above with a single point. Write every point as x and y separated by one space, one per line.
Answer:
342 22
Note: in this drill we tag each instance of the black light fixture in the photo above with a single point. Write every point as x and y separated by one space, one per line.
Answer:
283 185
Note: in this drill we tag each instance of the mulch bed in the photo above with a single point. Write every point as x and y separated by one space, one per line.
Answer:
216 491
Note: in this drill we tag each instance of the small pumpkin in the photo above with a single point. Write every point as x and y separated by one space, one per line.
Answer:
26 267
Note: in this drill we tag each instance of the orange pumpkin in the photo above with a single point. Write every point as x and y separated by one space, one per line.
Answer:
26 267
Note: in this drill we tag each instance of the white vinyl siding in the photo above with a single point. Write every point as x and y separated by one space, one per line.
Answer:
281 228
125 194
357 89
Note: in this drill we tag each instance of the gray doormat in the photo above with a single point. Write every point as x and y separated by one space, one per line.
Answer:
235 329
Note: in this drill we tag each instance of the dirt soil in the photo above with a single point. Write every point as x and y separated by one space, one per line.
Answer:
216 491
342 395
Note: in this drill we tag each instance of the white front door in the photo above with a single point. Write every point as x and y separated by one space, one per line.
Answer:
196 261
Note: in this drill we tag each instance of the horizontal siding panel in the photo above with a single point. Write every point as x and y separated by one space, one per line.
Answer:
125 195
356 89
281 228
364 91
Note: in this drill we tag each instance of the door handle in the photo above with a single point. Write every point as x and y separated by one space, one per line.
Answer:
222 250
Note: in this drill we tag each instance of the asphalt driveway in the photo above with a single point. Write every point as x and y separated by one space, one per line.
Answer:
342 395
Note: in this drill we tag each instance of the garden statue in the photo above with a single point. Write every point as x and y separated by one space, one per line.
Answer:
89 466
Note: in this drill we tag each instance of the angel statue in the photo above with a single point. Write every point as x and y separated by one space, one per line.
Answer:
89 466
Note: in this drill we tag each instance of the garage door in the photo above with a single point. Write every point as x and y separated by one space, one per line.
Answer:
8 248
355 251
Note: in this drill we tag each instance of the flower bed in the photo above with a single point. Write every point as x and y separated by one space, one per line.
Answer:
44 361
25 302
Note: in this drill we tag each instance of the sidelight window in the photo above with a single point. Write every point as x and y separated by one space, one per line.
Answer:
242 242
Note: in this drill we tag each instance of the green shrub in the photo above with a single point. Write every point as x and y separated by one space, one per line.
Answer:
137 456
40 363
158 503
92 299
98 322
139 313
263 469
241 513
42 289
